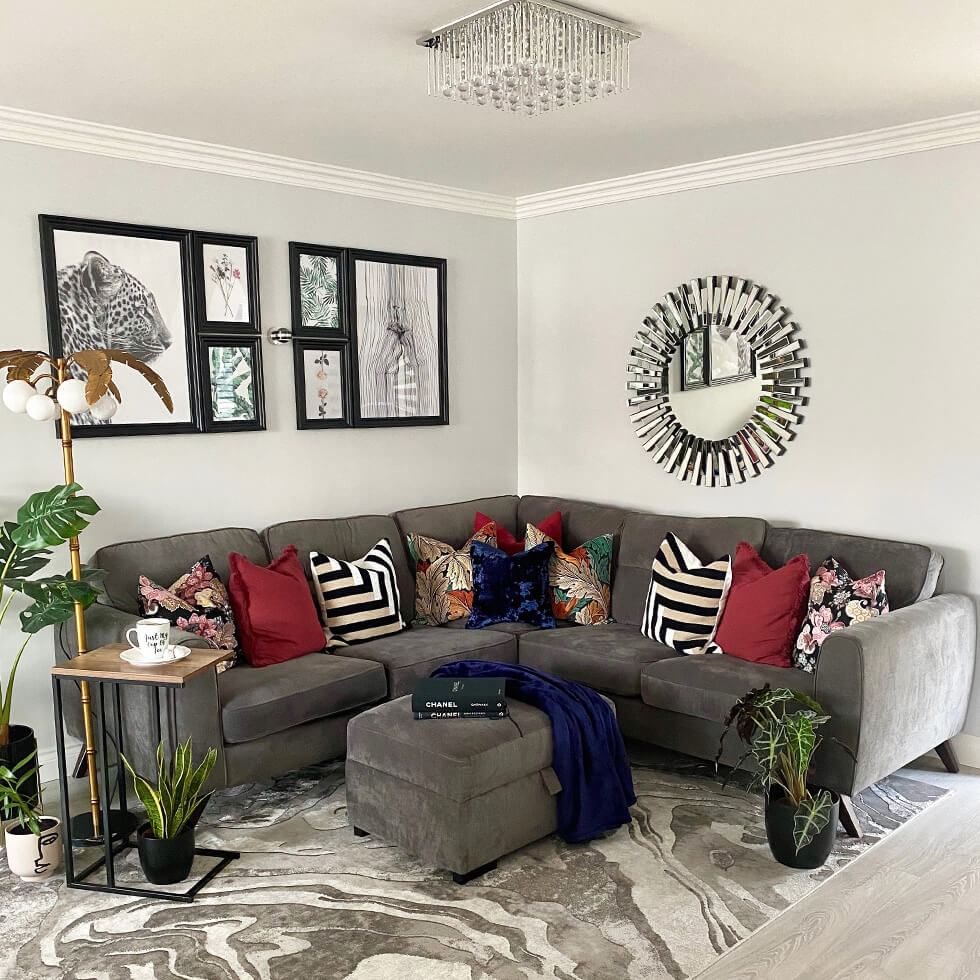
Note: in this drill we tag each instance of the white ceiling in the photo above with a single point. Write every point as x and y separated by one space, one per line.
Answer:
342 81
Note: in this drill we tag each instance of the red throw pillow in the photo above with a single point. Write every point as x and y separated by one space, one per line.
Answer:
764 609
274 609
551 525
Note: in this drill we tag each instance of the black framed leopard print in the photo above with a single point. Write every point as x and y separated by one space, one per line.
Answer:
127 287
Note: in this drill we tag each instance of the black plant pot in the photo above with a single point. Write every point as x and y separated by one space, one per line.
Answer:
165 861
22 744
780 818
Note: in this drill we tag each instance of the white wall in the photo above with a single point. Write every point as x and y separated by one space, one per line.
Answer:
254 479
878 262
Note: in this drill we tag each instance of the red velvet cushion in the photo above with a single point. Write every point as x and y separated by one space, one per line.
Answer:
551 525
764 609
273 609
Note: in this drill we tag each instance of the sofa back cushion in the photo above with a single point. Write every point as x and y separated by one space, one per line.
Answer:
165 559
453 523
708 537
581 521
346 538
911 570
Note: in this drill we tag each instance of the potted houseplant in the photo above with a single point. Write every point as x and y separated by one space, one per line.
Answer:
32 839
174 804
779 728
46 520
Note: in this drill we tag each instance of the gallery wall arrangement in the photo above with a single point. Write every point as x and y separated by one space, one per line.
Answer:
184 302
369 337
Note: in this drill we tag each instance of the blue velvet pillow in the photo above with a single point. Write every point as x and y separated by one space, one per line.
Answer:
511 588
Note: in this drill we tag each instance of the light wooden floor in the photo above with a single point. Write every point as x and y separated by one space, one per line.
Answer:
908 909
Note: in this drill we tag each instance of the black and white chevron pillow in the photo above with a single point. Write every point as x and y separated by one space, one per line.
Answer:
686 598
359 599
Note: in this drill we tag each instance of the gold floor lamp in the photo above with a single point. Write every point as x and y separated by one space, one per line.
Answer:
65 396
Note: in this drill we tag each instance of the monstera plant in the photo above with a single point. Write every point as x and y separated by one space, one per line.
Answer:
780 730
48 519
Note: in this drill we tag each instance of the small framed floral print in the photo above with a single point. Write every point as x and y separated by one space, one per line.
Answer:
231 383
323 391
227 279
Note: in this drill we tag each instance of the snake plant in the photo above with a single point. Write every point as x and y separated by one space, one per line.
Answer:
782 743
173 800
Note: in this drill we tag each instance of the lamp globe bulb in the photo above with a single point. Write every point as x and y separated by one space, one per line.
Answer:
42 408
71 396
104 408
16 396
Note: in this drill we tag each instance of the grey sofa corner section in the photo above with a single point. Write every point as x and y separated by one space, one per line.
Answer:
260 701
708 537
911 570
165 559
346 538
608 658
453 523
708 685
581 520
416 652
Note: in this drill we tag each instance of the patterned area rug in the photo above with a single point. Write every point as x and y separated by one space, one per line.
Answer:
690 878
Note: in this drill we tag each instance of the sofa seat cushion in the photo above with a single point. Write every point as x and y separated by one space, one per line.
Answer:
608 658
417 651
707 687
260 701
458 759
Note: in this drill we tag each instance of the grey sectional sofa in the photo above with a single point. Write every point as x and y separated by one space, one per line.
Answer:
896 686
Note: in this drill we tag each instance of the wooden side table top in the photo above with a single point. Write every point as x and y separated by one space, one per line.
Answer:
105 664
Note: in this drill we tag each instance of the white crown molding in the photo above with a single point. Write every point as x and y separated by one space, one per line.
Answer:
877 144
59 132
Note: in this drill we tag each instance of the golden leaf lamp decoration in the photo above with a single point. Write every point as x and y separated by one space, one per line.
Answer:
28 372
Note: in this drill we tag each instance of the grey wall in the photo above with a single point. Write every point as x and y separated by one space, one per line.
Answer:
253 479
878 262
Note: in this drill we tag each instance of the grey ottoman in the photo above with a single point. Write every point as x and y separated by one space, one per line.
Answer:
457 793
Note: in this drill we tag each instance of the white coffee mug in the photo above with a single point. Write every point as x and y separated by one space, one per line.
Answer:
152 638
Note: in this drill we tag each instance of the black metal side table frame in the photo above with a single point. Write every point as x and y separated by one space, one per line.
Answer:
77 879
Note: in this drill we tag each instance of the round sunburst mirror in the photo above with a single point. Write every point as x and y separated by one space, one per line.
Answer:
716 380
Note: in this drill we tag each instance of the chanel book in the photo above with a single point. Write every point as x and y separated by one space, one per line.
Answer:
427 715
460 694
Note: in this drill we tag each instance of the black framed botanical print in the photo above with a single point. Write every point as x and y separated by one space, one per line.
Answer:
226 271
128 287
318 290
232 385
398 331
694 361
322 375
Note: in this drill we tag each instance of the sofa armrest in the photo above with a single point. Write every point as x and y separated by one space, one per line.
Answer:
198 704
895 686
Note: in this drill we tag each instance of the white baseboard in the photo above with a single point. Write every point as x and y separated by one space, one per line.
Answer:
48 760
967 748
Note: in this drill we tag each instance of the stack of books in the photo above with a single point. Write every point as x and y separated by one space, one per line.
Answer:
459 697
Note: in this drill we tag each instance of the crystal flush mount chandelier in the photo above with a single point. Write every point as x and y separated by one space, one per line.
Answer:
529 56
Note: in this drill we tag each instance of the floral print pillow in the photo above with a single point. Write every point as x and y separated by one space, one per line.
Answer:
444 576
196 603
836 601
579 579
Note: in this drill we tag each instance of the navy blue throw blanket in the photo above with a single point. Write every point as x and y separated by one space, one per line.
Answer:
589 757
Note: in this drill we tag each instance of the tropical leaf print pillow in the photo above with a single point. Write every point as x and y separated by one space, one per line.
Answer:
580 580
836 601
444 576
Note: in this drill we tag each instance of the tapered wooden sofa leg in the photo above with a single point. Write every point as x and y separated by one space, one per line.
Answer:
849 818
945 752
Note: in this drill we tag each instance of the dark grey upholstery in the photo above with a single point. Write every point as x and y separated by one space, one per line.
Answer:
608 658
581 521
347 538
453 523
165 559
642 535
416 652
707 685
261 701
911 570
